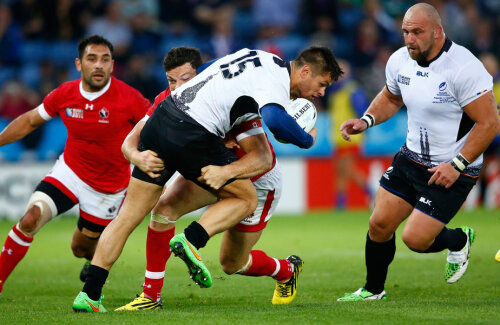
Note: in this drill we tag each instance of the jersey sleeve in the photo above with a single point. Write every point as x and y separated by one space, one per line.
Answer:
472 82
246 129
391 73
51 104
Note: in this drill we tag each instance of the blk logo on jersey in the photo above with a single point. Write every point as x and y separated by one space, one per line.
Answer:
104 114
403 80
74 112
422 74
442 86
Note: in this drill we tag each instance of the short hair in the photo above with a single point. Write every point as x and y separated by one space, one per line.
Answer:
93 39
321 60
178 56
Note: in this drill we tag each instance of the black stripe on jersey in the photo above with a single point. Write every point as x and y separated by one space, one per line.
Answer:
466 124
242 106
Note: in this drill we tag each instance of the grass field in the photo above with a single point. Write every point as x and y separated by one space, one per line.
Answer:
42 288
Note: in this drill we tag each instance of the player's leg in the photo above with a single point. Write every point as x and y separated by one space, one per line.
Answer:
426 229
393 204
141 198
46 202
237 200
180 198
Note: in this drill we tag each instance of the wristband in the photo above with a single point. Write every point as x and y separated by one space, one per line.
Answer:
459 162
368 119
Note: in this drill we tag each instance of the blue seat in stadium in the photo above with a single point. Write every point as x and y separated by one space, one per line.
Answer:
13 151
170 41
53 140
34 51
290 45
63 53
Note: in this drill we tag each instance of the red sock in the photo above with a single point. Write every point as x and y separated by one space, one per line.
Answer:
264 265
157 254
15 247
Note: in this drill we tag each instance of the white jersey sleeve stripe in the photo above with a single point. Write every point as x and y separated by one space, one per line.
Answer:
249 133
43 113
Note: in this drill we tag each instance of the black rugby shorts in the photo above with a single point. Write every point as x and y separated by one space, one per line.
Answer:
408 180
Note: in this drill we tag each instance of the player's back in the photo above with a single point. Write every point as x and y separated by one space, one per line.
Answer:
233 89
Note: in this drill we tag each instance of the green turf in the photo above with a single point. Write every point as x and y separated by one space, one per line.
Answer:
41 290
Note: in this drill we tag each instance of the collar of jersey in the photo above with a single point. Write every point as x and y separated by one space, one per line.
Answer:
90 96
445 48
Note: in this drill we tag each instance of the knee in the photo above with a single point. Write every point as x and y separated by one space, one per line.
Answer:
414 243
30 220
380 229
229 265
81 251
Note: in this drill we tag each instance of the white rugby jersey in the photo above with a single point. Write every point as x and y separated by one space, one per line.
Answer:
233 89
435 96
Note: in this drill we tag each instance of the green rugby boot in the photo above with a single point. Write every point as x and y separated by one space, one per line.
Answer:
198 272
83 304
363 294
457 262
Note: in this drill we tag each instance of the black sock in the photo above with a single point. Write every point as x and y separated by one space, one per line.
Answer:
196 235
378 256
96 278
452 239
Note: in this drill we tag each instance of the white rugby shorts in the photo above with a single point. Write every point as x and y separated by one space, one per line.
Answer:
96 207
268 194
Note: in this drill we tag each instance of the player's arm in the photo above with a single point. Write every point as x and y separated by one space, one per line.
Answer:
147 160
285 128
21 126
382 108
483 112
257 160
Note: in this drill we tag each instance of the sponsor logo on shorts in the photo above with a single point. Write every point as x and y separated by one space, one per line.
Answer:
425 201
387 172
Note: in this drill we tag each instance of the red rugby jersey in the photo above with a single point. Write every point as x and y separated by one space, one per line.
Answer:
96 130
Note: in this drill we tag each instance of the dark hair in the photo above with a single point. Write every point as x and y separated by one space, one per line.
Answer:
93 39
321 60
181 55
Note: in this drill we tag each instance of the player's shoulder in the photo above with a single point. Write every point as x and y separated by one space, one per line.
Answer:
124 89
460 55
65 90
400 56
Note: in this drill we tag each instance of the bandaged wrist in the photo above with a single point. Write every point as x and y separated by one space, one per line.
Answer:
459 162
368 119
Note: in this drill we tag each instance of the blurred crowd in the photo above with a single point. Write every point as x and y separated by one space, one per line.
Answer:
38 40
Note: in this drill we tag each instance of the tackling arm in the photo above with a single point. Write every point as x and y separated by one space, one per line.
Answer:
257 160
21 126
147 161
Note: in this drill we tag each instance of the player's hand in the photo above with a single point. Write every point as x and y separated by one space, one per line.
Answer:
353 126
149 162
444 175
214 176
313 133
